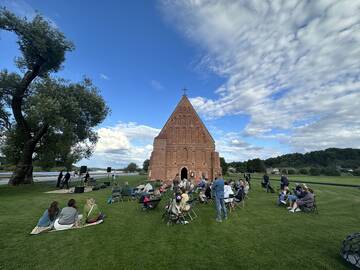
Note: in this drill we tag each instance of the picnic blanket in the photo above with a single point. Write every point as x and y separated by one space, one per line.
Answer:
68 191
38 230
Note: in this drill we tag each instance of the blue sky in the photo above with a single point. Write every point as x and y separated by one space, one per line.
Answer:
266 78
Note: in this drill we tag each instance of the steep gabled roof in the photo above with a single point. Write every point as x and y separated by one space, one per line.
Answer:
185 102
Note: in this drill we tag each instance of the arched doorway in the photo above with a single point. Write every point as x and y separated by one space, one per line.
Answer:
184 173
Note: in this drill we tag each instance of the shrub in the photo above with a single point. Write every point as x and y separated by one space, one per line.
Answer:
284 171
356 172
291 171
329 171
314 171
303 171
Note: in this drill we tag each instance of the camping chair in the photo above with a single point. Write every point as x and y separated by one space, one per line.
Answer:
170 218
116 194
230 205
241 201
312 209
127 193
191 213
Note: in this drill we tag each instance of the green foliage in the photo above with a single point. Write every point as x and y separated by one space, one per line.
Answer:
255 165
303 171
291 171
71 110
132 167
240 167
330 171
331 157
40 43
224 166
314 171
146 165
55 115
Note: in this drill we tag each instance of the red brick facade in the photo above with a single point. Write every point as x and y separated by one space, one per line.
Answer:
184 146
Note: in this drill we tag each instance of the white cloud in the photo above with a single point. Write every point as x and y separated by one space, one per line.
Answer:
156 85
292 66
232 147
104 77
121 144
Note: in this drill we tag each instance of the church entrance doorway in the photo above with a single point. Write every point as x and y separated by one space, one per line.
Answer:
184 173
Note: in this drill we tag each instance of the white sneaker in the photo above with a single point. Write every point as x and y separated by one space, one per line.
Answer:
283 202
298 210
289 208
292 211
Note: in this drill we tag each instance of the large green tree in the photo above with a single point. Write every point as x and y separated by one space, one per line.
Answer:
44 118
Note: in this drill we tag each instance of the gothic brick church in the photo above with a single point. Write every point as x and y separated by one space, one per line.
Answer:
184 146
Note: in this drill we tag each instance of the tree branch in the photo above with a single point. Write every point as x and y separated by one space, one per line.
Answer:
40 133
18 95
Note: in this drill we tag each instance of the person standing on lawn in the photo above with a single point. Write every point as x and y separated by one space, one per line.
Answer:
59 179
218 191
66 180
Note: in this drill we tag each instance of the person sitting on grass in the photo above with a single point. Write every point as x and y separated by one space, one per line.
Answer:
298 193
69 217
91 213
46 221
305 203
283 196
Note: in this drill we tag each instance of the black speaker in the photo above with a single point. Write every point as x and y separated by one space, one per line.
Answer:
83 169
108 169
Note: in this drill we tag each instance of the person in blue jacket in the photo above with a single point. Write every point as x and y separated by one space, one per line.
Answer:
218 192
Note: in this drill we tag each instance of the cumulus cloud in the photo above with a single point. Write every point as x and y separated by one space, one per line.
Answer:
232 147
123 143
292 66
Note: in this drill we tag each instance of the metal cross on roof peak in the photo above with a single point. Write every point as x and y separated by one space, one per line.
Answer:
184 90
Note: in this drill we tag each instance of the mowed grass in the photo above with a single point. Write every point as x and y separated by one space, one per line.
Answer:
259 236
348 180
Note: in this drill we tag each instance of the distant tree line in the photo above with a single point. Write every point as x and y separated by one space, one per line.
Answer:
332 161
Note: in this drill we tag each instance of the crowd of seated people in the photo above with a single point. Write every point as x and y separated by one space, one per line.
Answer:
234 191
302 198
68 217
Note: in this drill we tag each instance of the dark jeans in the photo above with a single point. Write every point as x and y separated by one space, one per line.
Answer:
66 182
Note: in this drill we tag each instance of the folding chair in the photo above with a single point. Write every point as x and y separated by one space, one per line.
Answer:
127 193
191 213
116 194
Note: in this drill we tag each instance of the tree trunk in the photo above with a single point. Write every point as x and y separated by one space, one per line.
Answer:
23 173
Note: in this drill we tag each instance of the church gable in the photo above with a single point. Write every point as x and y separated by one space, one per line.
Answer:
185 126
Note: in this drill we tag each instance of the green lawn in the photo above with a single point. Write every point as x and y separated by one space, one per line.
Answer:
259 236
350 180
